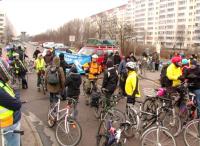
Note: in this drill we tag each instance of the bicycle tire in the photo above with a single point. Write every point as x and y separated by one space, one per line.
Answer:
150 105
72 123
173 123
131 129
98 110
115 115
187 133
159 132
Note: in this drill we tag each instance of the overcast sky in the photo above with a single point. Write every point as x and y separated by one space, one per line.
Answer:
36 16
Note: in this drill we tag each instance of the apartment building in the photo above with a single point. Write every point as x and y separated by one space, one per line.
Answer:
172 23
2 23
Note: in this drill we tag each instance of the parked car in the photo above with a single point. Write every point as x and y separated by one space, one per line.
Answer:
48 44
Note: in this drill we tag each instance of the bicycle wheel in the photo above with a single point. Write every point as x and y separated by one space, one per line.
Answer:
172 122
150 105
158 136
192 133
43 87
69 135
116 116
131 130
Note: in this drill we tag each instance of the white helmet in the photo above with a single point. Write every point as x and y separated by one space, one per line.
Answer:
95 56
131 65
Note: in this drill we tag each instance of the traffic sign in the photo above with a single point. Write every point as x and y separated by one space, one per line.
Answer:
72 38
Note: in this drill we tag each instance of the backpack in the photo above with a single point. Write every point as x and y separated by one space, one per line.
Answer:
164 81
53 76
95 96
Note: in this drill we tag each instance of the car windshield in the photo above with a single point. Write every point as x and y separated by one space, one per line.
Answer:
87 51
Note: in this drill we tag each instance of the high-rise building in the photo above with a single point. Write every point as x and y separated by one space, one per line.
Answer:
2 23
172 23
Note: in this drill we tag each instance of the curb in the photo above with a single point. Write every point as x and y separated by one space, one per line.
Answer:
33 129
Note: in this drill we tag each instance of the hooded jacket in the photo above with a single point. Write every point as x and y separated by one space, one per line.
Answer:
110 79
59 87
73 82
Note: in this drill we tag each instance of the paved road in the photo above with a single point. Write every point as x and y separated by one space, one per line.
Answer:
37 107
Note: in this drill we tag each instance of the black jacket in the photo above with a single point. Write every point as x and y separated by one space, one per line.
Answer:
193 76
11 103
110 79
64 65
73 82
117 59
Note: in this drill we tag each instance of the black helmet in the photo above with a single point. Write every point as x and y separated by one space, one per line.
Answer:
4 72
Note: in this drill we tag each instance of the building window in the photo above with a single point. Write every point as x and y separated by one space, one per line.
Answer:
171 9
181 14
181 20
2 15
191 7
181 8
1 29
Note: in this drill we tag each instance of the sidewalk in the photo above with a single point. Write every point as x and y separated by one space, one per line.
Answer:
31 136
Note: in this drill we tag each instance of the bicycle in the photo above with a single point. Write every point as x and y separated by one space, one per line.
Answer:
21 132
101 110
110 136
157 135
68 128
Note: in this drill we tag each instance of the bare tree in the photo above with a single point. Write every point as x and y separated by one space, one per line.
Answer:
8 31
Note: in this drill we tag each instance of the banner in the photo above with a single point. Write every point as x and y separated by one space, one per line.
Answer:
78 60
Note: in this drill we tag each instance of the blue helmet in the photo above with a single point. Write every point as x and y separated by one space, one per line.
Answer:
185 61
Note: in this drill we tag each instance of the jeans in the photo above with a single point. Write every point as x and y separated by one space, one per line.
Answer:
12 139
53 97
197 93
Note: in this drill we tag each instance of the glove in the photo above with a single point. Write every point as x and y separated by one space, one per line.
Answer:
181 78
131 99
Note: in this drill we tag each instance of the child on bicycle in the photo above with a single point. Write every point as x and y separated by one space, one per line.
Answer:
110 80
132 83
73 82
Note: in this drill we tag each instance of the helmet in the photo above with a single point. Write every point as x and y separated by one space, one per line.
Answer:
161 92
95 56
176 59
4 72
15 55
131 65
185 61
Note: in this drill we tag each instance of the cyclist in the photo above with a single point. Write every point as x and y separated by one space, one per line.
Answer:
21 53
110 80
54 79
193 77
10 106
36 52
174 71
48 58
93 69
73 82
132 83
117 58
185 66
63 63
40 69
20 70
123 74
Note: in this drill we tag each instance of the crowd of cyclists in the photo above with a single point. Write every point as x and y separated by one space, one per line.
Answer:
117 70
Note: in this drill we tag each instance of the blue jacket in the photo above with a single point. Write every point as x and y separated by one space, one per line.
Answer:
11 103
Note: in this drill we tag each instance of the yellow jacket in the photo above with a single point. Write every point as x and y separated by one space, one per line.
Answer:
173 73
132 84
94 68
39 64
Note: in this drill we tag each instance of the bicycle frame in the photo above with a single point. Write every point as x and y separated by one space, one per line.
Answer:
65 111
140 127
